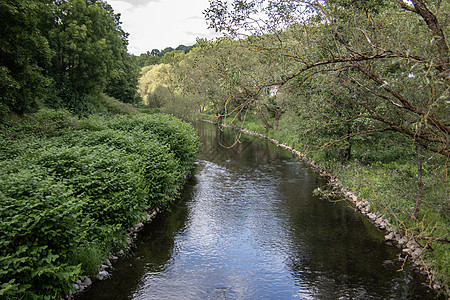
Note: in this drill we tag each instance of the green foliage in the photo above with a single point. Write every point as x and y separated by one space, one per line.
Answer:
123 82
115 106
156 56
23 54
88 43
70 188
63 54
90 257
178 136
47 122
440 258
156 84
102 176
173 57
147 59
156 168
39 232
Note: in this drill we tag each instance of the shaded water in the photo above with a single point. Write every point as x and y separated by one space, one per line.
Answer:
248 227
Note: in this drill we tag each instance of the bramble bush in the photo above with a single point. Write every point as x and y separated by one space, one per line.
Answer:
70 188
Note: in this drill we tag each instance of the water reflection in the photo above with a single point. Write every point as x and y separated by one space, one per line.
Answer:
249 228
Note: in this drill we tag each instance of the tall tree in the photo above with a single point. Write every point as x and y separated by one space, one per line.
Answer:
24 52
147 59
89 46
124 79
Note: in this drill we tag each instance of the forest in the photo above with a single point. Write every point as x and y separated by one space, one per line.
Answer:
360 87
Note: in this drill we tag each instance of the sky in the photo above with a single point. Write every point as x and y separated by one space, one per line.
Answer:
157 24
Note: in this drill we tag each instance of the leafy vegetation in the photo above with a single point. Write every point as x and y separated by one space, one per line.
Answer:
74 173
70 188
63 54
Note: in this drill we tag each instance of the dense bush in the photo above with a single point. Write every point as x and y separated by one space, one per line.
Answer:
178 136
39 231
156 167
47 122
106 179
70 188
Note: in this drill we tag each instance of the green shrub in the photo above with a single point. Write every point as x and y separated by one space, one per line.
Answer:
47 122
4 111
69 189
179 136
158 172
90 256
105 178
38 233
117 107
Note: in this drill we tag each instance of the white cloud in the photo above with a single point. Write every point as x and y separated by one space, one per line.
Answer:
157 24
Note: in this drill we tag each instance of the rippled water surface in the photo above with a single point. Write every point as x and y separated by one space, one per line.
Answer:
248 227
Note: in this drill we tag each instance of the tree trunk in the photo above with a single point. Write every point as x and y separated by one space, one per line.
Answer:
266 124
348 151
277 119
435 27
346 154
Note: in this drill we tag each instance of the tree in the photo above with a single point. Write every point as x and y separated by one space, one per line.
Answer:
156 84
155 52
185 49
173 57
62 54
89 46
392 55
24 52
165 50
123 81
147 59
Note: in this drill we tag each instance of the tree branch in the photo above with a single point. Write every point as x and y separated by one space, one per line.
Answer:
403 100
433 24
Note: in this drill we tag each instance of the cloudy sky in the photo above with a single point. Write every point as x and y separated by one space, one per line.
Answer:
157 24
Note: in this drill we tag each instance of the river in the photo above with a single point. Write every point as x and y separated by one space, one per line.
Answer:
248 227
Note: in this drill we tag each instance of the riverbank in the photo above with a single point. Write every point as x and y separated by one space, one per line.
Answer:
411 248
104 270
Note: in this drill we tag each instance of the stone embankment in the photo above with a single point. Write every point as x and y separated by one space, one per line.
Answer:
409 246
104 270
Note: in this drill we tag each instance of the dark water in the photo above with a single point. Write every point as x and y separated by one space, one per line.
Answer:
248 227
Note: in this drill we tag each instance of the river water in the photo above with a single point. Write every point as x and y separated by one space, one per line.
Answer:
248 227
